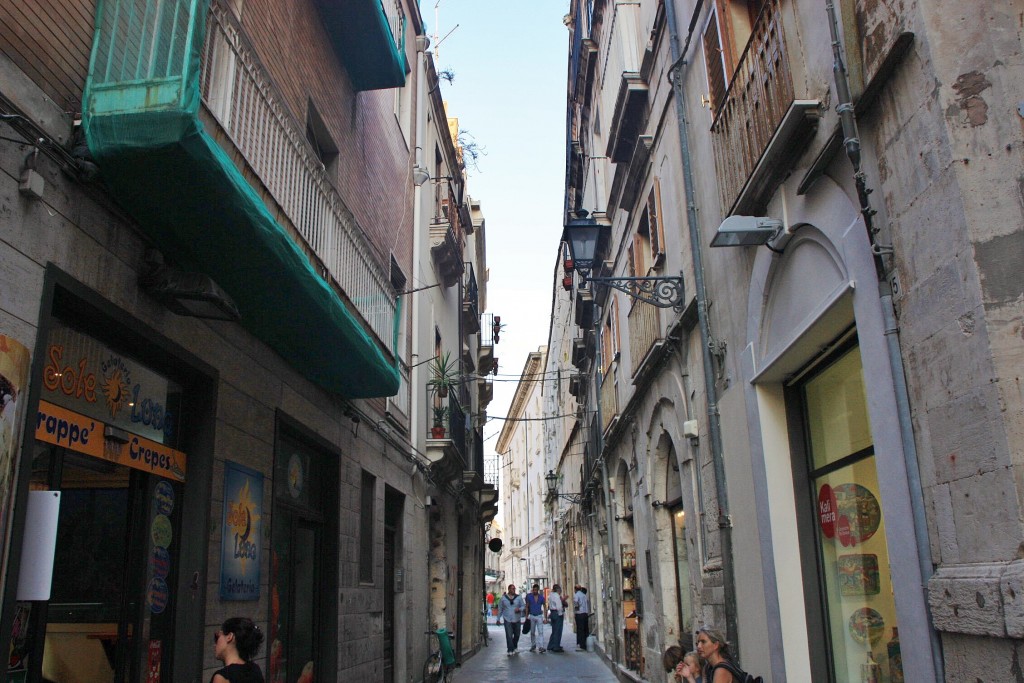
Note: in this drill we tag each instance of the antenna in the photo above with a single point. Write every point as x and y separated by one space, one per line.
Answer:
437 22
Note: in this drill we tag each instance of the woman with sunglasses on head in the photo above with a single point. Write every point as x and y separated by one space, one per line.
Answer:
713 649
235 644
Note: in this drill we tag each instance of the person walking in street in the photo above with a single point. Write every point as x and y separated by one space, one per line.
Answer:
535 613
511 609
235 644
713 650
556 614
581 608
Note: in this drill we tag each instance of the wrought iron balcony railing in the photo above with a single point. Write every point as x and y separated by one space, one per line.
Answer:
240 95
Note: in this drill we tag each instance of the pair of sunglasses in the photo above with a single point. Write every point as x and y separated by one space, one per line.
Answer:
216 636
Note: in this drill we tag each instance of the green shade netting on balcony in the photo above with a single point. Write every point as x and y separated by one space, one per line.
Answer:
142 126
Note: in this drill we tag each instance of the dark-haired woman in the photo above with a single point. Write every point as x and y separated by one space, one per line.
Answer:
235 644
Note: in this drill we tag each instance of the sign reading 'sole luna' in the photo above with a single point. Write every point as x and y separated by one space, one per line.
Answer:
83 375
240 528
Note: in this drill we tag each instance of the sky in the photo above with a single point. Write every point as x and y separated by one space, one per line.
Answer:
510 61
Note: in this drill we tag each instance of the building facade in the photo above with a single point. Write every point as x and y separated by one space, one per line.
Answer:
215 402
520 448
795 455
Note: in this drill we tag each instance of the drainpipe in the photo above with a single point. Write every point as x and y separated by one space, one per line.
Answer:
613 533
851 140
710 390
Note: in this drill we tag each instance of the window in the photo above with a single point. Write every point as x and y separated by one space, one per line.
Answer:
725 37
366 507
715 61
853 576
318 136
610 335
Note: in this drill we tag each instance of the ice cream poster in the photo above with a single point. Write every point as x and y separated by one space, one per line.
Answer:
240 542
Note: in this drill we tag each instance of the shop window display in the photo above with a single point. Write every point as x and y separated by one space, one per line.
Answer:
854 558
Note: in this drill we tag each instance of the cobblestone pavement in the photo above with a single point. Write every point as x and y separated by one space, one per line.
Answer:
492 664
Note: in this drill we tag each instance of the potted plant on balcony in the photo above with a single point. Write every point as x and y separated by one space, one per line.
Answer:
444 374
440 416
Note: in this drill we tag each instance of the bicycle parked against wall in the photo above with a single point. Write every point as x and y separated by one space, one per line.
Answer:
440 664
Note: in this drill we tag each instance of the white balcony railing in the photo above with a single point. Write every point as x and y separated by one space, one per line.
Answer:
238 93
393 11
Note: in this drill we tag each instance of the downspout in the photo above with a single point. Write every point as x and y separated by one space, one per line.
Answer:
613 533
711 391
851 140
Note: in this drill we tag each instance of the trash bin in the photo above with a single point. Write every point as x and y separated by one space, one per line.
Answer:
591 643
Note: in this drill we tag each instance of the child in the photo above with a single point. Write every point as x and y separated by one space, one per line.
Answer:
689 669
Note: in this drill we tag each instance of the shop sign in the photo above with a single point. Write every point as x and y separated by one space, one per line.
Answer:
83 375
240 537
83 434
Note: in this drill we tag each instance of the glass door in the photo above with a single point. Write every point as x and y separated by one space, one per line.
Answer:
110 613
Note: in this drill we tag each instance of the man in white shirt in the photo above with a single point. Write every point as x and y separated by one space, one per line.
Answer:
511 608
556 615
581 609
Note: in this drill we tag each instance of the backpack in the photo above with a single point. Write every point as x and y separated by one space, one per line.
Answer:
738 673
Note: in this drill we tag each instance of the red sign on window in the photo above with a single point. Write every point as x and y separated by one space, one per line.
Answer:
153 663
827 511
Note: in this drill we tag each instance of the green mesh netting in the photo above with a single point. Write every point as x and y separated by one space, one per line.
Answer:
142 126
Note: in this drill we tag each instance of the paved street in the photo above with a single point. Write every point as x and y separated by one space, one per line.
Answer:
492 665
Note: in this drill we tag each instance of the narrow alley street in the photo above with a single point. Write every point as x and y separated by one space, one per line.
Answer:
491 663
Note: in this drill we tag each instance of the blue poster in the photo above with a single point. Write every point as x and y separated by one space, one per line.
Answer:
240 540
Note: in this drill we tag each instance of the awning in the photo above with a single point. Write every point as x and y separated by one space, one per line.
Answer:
188 196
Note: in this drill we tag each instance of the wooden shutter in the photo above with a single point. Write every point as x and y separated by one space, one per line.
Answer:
638 249
657 229
714 58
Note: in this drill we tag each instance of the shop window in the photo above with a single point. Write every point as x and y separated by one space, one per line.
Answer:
853 575
112 603
301 573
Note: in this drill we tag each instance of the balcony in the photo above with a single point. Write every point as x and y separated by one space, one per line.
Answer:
369 38
235 191
486 343
761 128
625 92
644 338
471 304
485 387
447 239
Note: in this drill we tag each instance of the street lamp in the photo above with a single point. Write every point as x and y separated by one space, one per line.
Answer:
747 231
552 481
583 235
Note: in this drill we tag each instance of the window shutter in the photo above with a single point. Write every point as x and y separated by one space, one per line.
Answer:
714 58
615 324
657 229
606 344
638 249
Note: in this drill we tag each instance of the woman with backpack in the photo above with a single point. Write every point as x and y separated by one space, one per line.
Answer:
713 650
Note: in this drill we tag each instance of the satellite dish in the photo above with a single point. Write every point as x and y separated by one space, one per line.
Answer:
494 545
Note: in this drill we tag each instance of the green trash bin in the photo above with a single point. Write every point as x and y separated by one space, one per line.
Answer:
445 643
